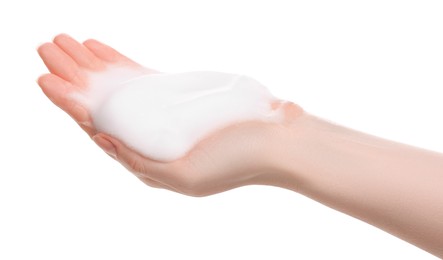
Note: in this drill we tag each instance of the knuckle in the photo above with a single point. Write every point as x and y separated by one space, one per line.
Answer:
136 166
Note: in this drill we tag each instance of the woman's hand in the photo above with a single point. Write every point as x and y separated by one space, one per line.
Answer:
389 185
237 155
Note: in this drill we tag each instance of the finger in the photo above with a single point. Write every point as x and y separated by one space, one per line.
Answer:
60 64
78 52
132 160
105 52
58 91
88 128
152 183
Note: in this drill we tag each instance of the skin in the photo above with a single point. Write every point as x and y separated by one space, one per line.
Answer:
395 187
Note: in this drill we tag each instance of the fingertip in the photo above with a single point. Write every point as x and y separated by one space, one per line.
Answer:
105 52
40 79
42 48
39 45
78 52
89 41
43 81
93 44
80 114
61 36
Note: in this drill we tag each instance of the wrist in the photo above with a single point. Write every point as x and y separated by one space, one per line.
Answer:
280 150
302 148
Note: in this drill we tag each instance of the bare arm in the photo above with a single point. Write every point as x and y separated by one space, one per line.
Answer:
395 187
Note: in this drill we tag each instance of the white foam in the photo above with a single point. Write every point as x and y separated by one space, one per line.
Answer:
163 116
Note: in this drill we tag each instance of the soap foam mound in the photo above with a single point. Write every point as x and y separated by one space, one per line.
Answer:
162 116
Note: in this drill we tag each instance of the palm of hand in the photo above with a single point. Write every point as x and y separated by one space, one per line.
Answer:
231 157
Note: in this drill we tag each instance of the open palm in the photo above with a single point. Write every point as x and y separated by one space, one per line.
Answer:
231 157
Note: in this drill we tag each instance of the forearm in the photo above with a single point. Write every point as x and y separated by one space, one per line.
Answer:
395 187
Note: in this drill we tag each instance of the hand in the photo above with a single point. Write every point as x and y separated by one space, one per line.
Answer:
237 155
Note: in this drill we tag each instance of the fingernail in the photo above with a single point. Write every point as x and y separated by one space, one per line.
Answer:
81 114
105 144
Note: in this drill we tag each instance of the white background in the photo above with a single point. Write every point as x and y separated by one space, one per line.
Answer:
376 66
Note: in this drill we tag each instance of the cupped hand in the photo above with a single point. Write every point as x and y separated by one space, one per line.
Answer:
234 156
